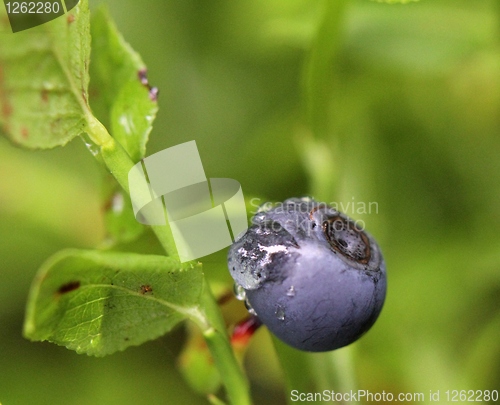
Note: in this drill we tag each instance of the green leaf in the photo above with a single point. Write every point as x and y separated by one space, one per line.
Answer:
119 218
98 302
44 80
118 96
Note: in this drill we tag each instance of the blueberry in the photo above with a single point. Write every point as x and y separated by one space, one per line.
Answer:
310 274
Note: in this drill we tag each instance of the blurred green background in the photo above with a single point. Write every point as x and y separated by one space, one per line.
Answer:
396 104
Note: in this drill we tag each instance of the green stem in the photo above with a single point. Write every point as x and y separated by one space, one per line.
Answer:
119 164
334 370
217 340
343 367
319 72
295 368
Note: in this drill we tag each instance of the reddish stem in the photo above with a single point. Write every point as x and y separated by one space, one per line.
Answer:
244 330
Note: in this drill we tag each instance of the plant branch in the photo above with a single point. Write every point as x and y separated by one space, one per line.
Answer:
119 164
219 345
319 74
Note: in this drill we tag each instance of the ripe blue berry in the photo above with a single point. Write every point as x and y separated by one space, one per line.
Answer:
310 274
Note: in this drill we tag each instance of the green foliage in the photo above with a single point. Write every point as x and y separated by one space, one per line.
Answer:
101 302
119 218
97 302
119 99
397 105
46 109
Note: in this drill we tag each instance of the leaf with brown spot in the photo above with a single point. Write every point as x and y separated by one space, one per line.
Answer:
99 302
44 81
68 287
